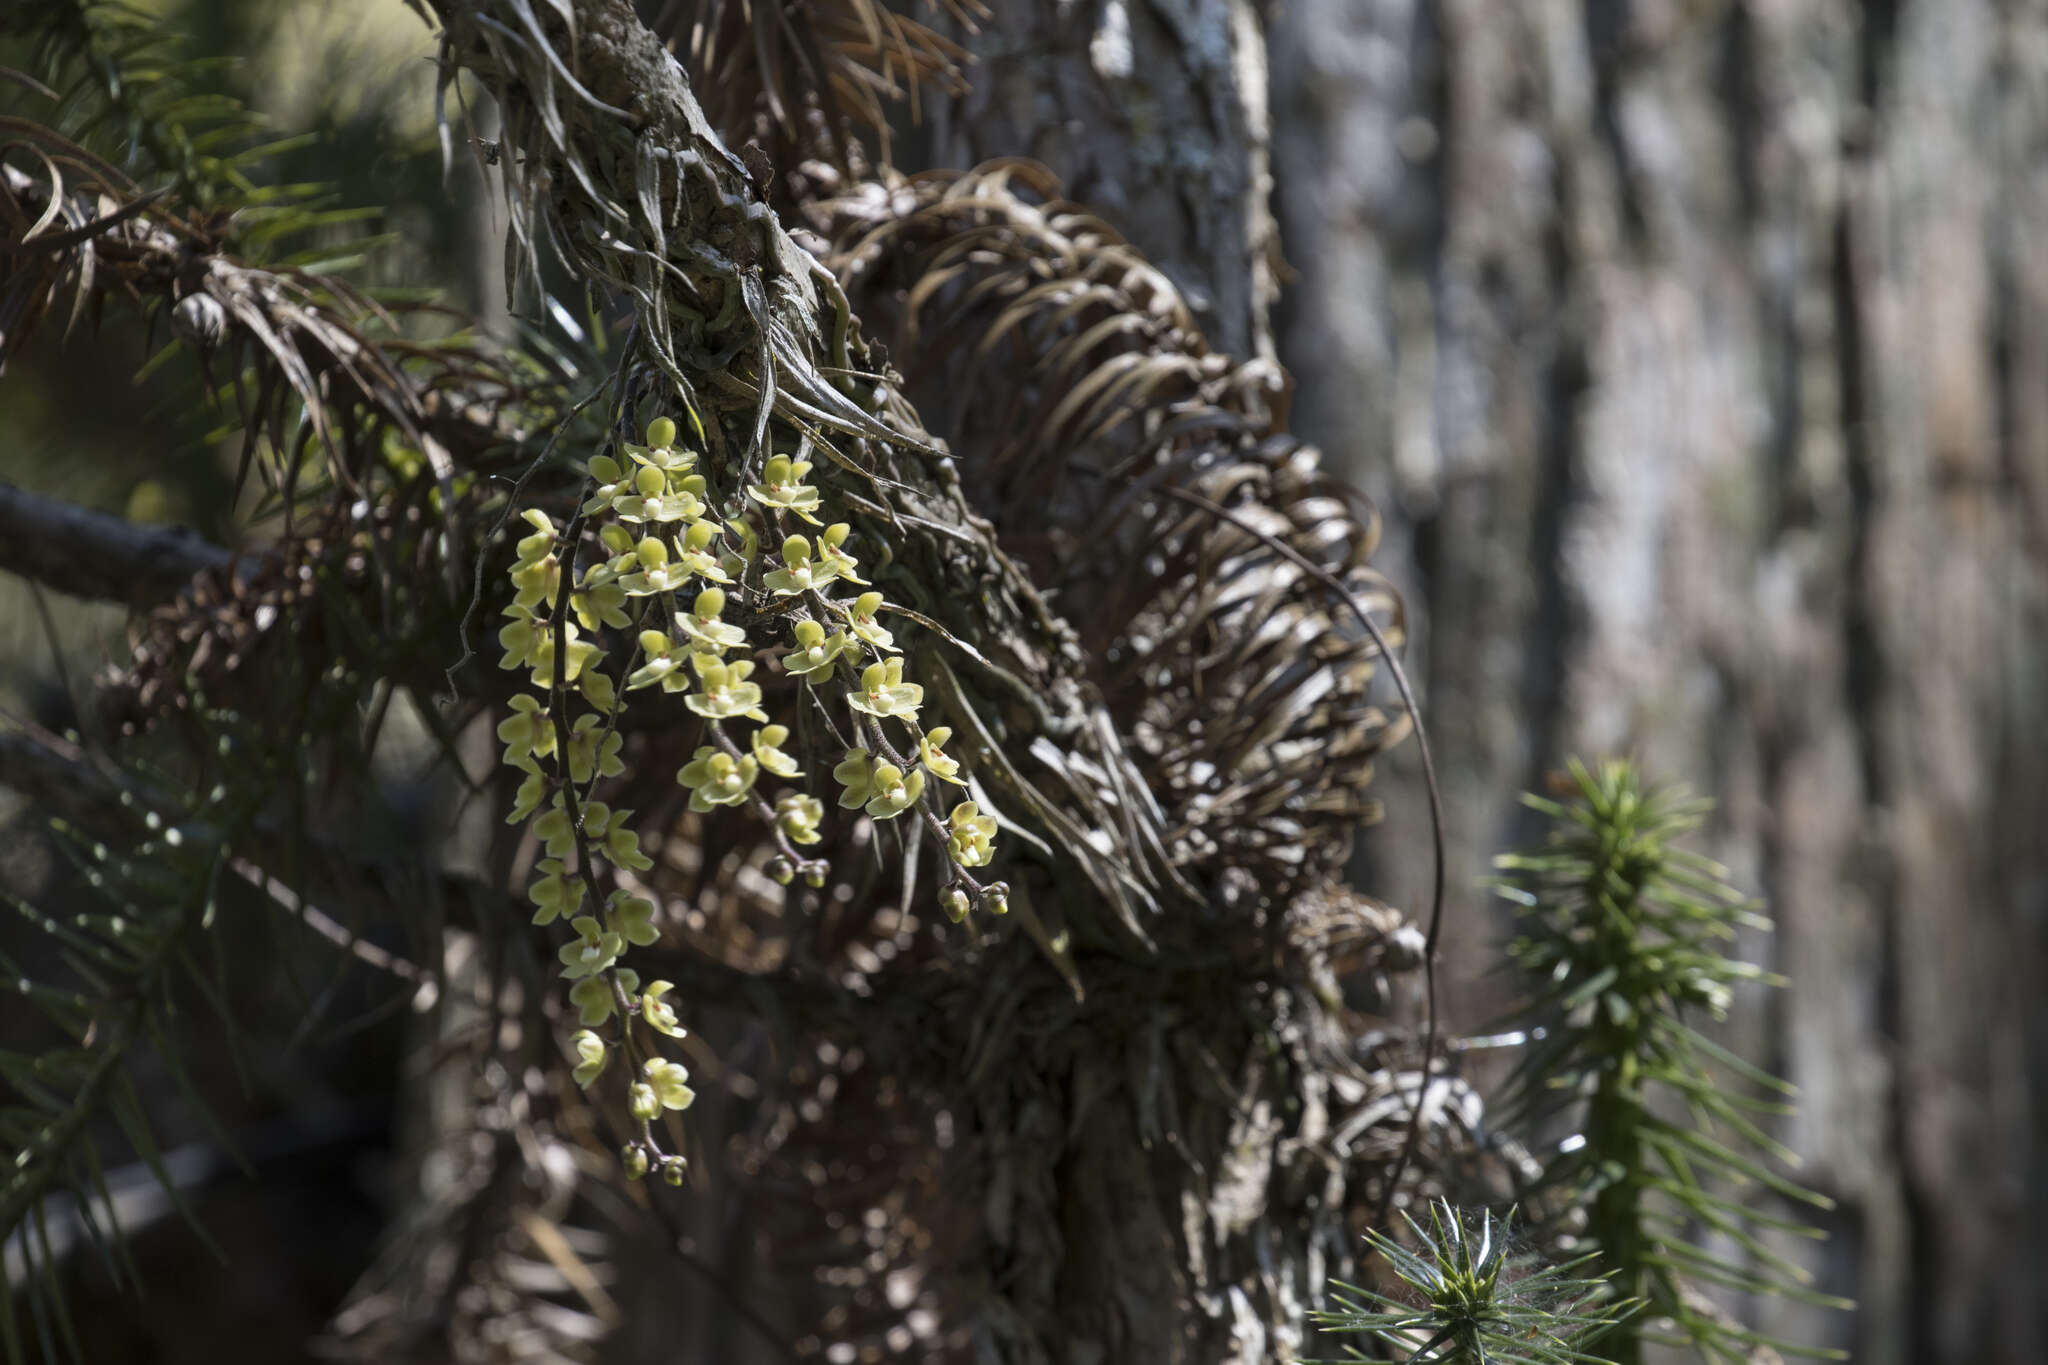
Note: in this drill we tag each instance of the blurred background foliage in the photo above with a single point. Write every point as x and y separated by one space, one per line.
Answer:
355 84
279 1140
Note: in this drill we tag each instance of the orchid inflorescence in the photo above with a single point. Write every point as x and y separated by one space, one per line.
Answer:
670 575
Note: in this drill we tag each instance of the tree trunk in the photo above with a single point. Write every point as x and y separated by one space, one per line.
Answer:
1153 113
1694 353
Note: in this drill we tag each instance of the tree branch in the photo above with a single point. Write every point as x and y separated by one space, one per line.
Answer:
97 556
313 336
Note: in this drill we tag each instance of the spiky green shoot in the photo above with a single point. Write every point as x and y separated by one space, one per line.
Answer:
1478 1306
1622 945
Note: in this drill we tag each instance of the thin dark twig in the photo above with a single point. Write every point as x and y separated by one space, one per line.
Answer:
57 664
734 1300
1436 804
677 1240
59 241
325 925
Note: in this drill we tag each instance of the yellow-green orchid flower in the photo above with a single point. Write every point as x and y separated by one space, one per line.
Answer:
894 791
931 750
816 653
883 692
716 778
782 487
856 774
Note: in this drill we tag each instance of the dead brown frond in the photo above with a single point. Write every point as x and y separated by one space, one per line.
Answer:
814 69
1072 380
313 367
356 430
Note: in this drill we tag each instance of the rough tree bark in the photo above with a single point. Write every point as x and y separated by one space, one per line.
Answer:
1695 353
1153 113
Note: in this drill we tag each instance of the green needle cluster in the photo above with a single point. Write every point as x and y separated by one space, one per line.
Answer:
1623 941
1478 1305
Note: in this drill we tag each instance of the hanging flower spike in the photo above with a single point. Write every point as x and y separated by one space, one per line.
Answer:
842 564
894 792
696 553
521 638
579 653
816 653
782 486
613 836
856 773
528 733
592 997
555 894
603 604
970 835
612 484
592 1054
536 582
593 750
536 572
656 1011
931 750
767 747
527 799
716 778
734 559
598 690
662 454
631 917
797 574
702 625
884 693
800 817
656 574
556 833
665 659
541 543
592 950
725 691
619 541
644 502
684 500
862 618
667 1081
673 460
